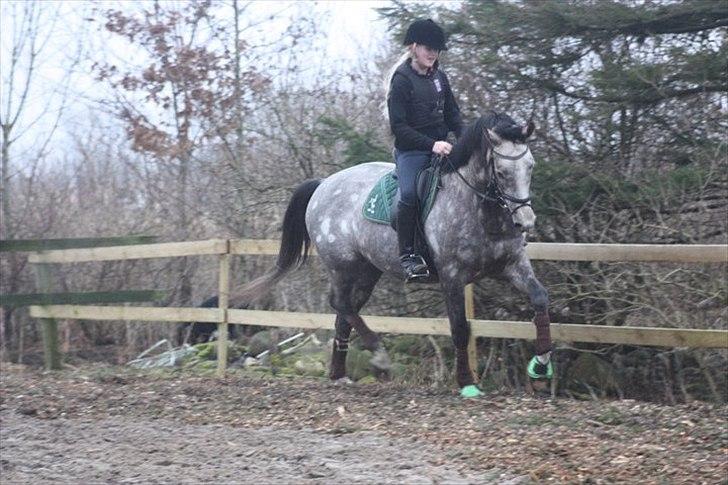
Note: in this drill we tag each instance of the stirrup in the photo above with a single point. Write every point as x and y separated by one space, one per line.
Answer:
417 276
411 261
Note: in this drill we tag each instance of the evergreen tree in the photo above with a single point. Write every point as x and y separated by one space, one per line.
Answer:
632 83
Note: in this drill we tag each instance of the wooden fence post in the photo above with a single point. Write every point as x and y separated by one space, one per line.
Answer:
51 354
470 315
223 298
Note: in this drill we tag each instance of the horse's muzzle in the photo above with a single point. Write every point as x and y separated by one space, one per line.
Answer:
524 219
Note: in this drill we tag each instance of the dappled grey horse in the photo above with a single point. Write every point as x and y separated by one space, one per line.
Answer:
475 228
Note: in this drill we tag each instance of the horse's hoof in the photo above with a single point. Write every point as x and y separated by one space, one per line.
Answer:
381 360
343 381
537 370
471 392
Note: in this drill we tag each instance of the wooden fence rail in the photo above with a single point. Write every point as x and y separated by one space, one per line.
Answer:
675 253
434 326
568 332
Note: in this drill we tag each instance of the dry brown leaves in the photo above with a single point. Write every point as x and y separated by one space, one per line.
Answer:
548 440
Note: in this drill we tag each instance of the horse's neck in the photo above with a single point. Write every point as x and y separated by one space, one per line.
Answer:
475 175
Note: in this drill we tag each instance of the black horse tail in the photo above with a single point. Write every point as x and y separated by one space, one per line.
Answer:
295 243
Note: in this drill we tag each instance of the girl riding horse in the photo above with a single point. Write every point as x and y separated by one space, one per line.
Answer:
487 177
422 110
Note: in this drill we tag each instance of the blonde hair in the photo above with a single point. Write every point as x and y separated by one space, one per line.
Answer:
387 84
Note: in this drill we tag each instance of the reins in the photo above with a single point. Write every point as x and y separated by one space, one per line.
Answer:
493 192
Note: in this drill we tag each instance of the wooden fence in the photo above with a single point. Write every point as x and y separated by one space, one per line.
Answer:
223 249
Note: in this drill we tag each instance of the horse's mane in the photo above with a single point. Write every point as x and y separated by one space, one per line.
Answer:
471 140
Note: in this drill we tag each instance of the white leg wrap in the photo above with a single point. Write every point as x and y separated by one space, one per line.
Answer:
545 358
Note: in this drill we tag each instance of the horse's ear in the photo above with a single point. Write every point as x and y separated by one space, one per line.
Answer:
528 129
493 137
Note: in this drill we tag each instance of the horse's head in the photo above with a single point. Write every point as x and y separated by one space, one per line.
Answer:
509 167
494 152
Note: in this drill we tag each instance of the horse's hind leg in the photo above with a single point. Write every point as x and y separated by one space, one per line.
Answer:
341 347
350 290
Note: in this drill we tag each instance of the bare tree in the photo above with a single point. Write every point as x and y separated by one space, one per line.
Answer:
28 126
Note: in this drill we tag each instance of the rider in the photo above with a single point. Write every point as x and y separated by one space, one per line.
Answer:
422 110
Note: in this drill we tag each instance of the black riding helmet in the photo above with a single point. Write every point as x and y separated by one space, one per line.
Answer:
426 32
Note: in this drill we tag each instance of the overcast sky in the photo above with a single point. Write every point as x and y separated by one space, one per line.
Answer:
352 29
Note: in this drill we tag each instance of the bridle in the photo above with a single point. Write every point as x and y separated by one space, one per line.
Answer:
493 191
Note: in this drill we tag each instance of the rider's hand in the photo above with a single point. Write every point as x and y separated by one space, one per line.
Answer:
441 148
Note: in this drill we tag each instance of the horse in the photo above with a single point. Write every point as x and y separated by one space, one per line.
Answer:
200 332
485 182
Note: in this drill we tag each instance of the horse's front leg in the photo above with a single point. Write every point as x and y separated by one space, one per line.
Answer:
460 331
520 274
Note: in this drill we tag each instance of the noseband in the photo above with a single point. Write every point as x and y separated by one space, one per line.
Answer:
494 192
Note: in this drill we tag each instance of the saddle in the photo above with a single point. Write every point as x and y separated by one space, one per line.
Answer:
381 203
381 206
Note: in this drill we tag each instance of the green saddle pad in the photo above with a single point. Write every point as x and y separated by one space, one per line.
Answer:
377 207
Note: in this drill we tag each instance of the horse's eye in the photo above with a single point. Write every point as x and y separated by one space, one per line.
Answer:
499 173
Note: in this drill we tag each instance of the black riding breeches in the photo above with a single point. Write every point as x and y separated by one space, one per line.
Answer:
409 166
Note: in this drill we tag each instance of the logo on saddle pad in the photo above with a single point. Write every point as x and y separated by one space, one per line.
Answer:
371 205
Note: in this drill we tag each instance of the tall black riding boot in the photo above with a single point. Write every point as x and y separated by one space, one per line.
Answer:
414 266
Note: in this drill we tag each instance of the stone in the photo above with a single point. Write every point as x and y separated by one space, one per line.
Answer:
309 367
260 342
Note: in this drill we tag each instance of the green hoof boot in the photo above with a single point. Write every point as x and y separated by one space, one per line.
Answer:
537 370
471 392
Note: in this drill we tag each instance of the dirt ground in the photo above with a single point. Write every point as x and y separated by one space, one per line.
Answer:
110 424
